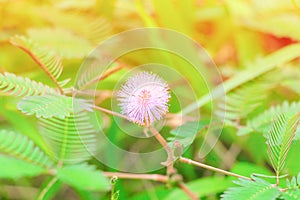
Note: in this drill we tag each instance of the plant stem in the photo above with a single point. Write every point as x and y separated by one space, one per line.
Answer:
192 162
111 112
160 139
188 192
153 177
110 72
163 142
47 188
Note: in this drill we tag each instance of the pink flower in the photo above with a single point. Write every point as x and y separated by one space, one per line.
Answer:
144 98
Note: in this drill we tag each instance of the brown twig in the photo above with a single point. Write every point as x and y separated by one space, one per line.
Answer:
105 75
111 71
163 142
44 68
187 191
112 112
153 177
192 162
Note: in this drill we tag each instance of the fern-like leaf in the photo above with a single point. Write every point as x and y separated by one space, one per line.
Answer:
75 174
21 147
14 168
66 43
293 183
10 84
48 105
47 59
279 140
92 74
72 139
263 122
251 190
244 100
293 194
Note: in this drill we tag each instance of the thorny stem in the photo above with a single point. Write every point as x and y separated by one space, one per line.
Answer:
47 188
163 142
192 162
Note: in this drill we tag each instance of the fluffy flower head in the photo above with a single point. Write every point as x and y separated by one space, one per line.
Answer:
144 98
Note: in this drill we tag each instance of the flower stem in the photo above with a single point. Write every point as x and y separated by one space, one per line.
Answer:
192 162
163 142
111 112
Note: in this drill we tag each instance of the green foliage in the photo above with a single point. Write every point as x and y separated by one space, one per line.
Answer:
279 140
71 139
51 132
263 122
243 101
11 84
293 191
14 168
84 177
48 60
293 183
262 66
293 194
48 106
21 147
186 133
255 190
66 43
202 187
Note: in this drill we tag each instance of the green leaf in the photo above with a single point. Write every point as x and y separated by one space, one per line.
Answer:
90 76
72 139
247 169
21 123
251 190
294 182
20 146
11 84
262 66
47 59
48 106
279 140
293 194
15 168
67 44
84 177
186 133
263 122
242 101
202 187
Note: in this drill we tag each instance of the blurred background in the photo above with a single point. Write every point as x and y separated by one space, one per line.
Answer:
237 34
